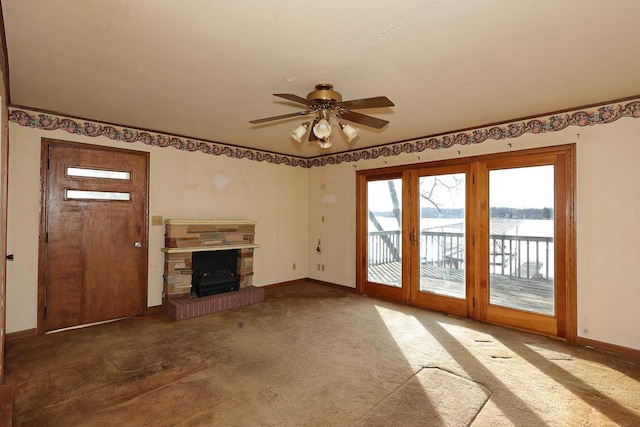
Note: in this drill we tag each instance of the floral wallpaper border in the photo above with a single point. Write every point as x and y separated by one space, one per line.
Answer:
94 129
601 115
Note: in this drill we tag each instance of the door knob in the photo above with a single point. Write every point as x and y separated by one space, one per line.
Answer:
138 244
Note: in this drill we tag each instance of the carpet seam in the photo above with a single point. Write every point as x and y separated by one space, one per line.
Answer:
468 379
389 394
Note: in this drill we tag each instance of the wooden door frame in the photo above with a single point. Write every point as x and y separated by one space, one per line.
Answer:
567 329
462 308
44 177
362 179
4 191
563 159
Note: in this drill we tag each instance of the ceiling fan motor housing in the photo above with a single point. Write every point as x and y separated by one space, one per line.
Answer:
324 94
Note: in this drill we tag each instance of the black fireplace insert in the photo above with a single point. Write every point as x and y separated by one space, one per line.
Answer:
215 272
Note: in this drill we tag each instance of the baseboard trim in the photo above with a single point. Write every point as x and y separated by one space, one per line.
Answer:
333 285
154 309
611 348
287 283
13 336
309 280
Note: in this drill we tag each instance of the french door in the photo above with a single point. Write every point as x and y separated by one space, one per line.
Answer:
526 269
489 238
440 274
384 249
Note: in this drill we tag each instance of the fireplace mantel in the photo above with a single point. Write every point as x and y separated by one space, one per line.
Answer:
208 235
209 222
207 248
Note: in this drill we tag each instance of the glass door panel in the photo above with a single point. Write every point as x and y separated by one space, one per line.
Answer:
384 232
491 238
439 273
441 239
521 239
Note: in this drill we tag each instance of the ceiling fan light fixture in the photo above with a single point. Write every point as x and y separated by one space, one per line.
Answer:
350 131
300 131
322 129
324 142
327 106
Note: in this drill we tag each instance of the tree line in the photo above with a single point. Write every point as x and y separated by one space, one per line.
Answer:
495 212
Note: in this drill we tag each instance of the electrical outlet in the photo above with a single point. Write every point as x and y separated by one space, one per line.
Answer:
322 268
294 265
318 267
323 219
156 220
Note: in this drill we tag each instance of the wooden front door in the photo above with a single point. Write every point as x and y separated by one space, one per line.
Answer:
93 263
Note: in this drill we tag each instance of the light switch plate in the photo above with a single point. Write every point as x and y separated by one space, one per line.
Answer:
156 220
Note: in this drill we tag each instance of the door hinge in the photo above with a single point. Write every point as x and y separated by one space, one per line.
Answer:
473 240
473 178
473 301
46 237
45 311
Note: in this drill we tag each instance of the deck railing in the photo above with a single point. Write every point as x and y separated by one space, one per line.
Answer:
384 247
515 256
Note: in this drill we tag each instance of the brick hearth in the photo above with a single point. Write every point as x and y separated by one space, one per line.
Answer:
186 308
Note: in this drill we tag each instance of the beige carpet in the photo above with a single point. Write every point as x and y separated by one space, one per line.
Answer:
433 397
317 356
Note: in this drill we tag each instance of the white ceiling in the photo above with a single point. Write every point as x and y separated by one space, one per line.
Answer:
203 69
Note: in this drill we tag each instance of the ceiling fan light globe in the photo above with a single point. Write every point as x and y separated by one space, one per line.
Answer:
298 133
350 131
322 129
324 143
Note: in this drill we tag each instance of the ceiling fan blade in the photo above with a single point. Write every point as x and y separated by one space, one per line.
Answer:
352 116
312 136
292 97
284 116
376 102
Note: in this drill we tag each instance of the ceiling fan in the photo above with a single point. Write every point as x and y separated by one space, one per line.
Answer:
324 102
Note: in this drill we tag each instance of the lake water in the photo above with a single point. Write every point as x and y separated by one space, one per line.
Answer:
539 256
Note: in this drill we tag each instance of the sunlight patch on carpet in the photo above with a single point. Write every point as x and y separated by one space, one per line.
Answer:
431 397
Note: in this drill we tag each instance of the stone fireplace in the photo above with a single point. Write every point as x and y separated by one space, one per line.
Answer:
211 284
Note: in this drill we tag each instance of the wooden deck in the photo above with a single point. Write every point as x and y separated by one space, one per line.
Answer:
536 295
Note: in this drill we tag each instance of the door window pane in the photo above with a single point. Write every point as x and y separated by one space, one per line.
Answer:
384 232
97 195
97 173
442 234
521 238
